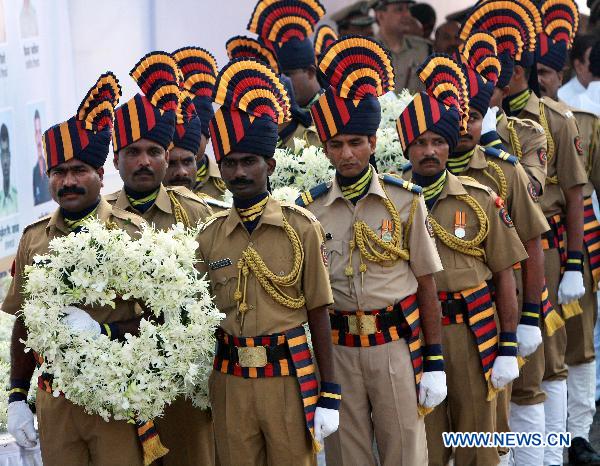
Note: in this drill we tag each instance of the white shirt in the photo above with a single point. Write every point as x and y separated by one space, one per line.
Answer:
590 99
570 92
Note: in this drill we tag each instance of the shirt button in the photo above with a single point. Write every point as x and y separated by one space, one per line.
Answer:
250 243
281 273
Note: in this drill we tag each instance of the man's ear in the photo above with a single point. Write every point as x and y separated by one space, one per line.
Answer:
373 142
167 153
271 164
311 71
116 160
100 172
505 91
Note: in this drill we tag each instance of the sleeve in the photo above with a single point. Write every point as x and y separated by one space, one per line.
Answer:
13 301
595 156
570 164
523 207
424 257
315 275
503 248
534 147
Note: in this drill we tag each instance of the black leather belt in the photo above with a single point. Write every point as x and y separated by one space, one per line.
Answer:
384 320
274 353
454 307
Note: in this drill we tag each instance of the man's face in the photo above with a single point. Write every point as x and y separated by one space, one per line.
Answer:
351 29
75 185
395 19
37 125
245 175
468 141
5 159
182 168
350 153
202 149
303 84
582 68
142 165
549 80
446 38
428 154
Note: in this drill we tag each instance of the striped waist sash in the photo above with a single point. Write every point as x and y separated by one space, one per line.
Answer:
555 238
591 239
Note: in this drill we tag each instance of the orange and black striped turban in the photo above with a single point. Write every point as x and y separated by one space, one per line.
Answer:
86 136
246 47
151 115
324 37
253 103
358 70
560 19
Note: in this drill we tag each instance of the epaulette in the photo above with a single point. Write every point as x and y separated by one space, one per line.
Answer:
128 216
308 197
558 107
473 183
526 124
211 201
396 180
212 219
112 196
406 167
301 210
185 192
45 218
500 154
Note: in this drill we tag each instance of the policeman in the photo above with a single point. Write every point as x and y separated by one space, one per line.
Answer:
477 243
267 265
144 130
551 55
290 35
379 254
75 152
408 52
355 19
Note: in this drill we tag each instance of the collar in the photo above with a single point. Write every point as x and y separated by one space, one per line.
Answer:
502 126
57 221
478 160
272 215
453 187
213 168
162 201
336 191
533 106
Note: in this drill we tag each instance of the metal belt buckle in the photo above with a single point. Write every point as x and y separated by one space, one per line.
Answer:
362 325
252 356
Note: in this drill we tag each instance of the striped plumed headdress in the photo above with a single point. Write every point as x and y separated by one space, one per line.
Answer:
253 103
358 71
324 37
85 136
560 19
246 47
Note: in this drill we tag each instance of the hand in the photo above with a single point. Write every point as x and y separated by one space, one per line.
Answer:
20 424
489 120
80 321
327 422
571 287
505 370
432 389
528 338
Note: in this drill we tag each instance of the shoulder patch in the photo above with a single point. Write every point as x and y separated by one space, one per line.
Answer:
406 167
398 181
301 210
500 154
308 197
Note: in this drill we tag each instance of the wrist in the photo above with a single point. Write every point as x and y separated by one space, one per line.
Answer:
433 359
330 396
508 344
530 314
19 388
110 330
574 261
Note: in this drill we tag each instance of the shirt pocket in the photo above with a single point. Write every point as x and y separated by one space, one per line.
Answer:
462 260
224 284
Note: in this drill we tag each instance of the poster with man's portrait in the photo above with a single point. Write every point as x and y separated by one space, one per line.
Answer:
36 120
8 193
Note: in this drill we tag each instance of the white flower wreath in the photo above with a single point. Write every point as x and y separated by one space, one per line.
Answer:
390 158
132 379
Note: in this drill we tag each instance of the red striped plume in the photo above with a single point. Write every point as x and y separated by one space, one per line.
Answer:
561 20
157 76
246 47
254 88
186 110
356 67
445 80
324 37
281 20
481 54
97 109
199 70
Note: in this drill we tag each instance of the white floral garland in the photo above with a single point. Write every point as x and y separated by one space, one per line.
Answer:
132 379
390 158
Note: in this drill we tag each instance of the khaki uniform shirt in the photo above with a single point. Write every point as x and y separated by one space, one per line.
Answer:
221 244
385 283
502 246
589 134
35 240
566 164
521 200
309 135
213 186
162 214
525 139
406 62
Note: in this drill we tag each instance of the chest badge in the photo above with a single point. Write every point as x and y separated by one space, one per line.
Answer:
460 224
387 227
219 264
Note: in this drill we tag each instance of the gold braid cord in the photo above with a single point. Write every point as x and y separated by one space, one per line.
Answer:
219 184
271 282
469 247
514 139
180 213
500 181
551 147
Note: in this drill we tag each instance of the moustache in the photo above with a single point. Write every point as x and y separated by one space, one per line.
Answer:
143 171
240 181
429 159
70 190
181 181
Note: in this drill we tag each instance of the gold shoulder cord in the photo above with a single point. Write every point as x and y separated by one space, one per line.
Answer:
270 282
368 241
514 139
500 181
219 184
180 213
551 147
469 247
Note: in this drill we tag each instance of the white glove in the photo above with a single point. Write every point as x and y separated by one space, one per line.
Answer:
432 389
327 422
571 287
489 120
80 321
20 424
505 370
528 338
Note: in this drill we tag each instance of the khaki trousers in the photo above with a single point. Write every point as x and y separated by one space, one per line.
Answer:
466 408
70 437
259 421
379 401
188 434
